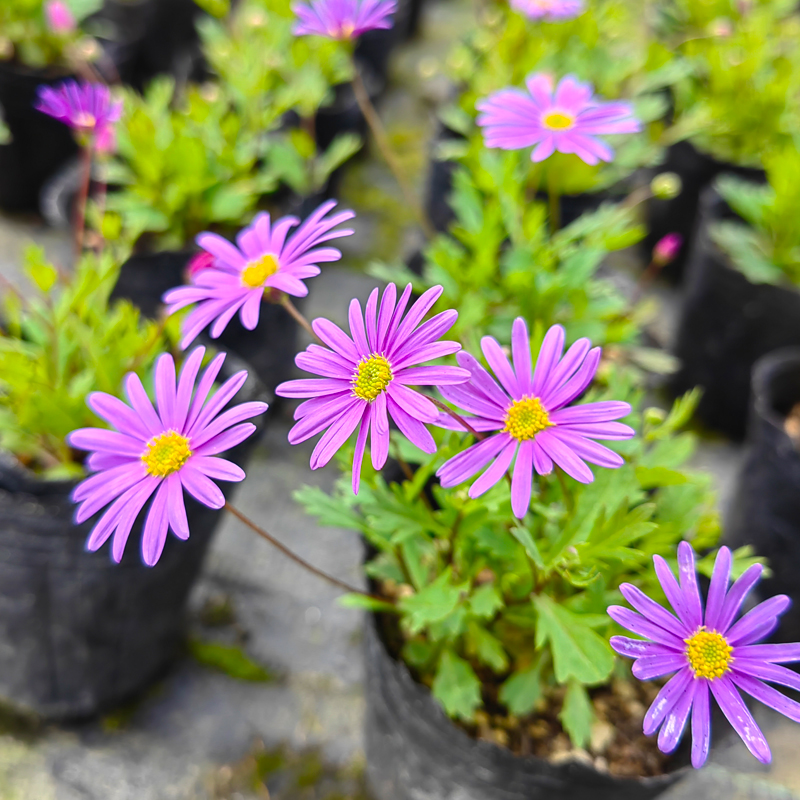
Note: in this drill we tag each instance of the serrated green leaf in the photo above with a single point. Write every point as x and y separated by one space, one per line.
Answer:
353 600
524 537
520 693
578 652
485 601
651 477
485 648
456 686
430 604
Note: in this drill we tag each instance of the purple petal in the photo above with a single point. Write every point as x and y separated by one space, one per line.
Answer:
522 480
201 487
768 695
735 597
165 384
464 465
176 509
483 382
118 414
106 442
499 363
674 725
734 709
411 428
567 366
218 469
638 648
761 615
432 376
564 456
666 699
312 387
356 319
649 667
701 724
338 433
358 455
688 579
641 626
495 471
521 355
550 353
773 673
673 592
413 403
379 437
156 527
575 386
336 339
653 611
776 653
718 588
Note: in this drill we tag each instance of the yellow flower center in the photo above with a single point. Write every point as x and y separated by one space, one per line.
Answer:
166 453
371 377
557 121
526 418
83 119
709 654
256 272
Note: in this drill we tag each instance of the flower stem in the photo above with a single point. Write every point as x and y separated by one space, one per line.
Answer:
83 194
294 557
298 317
389 156
552 195
564 489
457 417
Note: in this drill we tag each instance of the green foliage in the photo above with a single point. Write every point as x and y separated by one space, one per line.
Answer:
767 248
231 660
739 100
58 346
25 36
208 156
525 600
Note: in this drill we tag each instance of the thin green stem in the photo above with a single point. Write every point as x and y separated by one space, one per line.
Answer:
298 317
457 417
80 208
564 490
554 200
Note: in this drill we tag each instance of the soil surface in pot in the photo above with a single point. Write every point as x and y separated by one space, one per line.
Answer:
617 745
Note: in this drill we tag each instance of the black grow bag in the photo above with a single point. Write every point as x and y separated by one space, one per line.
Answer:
39 143
680 214
269 349
79 633
415 751
727 323
765 511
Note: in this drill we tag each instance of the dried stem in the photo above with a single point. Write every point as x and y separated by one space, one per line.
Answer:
389 156
294 557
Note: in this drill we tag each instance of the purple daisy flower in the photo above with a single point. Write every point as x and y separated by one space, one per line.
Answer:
239 277
568 119
530 417
162 452
550 10
365 378
86 107
343 19
711 654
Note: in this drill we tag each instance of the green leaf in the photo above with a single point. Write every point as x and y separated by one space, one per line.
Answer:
486 648
577 714
431 604
520 693
524 537
485 601
41 272
228 659
578 652
456 686
354 600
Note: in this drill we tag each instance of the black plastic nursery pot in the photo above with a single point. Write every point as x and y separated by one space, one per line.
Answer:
39 144
765 510
269 349
79 633
680 214
727 323
415 751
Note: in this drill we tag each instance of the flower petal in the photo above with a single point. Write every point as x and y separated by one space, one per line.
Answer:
736 712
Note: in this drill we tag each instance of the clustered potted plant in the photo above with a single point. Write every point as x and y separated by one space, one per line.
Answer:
500 563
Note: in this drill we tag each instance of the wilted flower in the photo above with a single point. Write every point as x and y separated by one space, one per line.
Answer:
59 17
264 259
709 652
365 378
199 262
550 10
568 119
667 249
86 107
530 417
343 19
163 452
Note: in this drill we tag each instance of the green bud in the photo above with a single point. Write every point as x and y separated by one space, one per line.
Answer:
666 186
654 416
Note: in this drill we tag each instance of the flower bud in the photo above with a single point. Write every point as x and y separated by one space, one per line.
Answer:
666 186
667 249
654 416
59 17
199 262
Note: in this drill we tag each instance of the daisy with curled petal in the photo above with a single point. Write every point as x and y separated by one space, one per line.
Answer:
549 10
528 412
85 107
343 19
712 654
266 258
365 377
161 452
568 119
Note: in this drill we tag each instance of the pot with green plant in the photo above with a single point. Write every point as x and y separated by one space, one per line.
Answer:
79 633
741 299
734 102
40 43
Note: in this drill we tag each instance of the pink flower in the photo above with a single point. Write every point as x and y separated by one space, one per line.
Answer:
568 120
343 19
549 10
528 416
266 258
59 17
199 262
365 377
160 452
86 107
667 249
